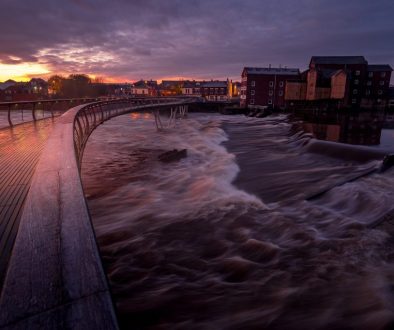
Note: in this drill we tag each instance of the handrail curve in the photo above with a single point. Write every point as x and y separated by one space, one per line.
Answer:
55 275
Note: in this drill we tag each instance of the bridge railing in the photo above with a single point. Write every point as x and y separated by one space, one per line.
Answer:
52 106
55 276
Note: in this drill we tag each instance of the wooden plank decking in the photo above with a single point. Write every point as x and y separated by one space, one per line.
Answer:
20 148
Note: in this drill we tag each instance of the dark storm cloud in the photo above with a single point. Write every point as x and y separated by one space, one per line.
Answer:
207 38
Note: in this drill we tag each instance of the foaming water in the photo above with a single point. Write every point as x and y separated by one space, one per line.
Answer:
225 238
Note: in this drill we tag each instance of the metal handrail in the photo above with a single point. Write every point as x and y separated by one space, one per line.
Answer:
55 275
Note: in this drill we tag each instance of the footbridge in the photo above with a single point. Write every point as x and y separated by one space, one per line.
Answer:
54 277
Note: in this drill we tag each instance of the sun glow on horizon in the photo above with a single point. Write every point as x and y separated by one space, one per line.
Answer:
22 71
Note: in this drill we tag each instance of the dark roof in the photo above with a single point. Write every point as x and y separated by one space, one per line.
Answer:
338 60
171 83
379 67
140 84
270 71
215 84
190 84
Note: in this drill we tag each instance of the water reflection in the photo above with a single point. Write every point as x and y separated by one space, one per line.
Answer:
364 128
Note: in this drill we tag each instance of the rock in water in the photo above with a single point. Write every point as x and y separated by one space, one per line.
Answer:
388 162
173 155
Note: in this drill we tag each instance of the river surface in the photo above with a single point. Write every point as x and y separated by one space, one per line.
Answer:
236 235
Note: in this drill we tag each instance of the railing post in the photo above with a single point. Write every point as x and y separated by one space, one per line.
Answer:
33 112
9 115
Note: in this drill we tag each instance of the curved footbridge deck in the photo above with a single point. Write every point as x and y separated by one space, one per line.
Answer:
55 278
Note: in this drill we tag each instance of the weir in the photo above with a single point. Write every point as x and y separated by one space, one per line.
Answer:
55 277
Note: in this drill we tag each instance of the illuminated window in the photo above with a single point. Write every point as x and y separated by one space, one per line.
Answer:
271 84
269 101
281 84
356 82
381 83
357 72
252 83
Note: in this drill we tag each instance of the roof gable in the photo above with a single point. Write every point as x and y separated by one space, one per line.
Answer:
272 71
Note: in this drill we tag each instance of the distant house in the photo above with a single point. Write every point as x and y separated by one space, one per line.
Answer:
38 86
234 89
170 87
341 81
144 88
35 89
214 90
191 88
265 86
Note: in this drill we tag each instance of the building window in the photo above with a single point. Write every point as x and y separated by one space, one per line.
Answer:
380 92
370 74
269 101
281 84
270 93
383 74
367 92
379 100
357 72
271 84
280 93
381 83
251 101
369 83
253 83
354 101
355 91
356 81
252 92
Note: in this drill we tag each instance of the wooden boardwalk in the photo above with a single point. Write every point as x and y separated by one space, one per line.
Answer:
20 148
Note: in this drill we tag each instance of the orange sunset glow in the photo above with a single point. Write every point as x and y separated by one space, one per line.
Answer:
22 71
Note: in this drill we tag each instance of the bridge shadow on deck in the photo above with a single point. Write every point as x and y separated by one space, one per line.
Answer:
20 149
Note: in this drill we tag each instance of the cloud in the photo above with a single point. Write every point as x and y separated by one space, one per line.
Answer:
203 39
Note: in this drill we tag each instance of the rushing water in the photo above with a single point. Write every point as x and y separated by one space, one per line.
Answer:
226 237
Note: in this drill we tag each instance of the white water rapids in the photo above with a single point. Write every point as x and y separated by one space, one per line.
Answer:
225 239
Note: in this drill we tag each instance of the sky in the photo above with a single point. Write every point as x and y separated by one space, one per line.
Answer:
126 40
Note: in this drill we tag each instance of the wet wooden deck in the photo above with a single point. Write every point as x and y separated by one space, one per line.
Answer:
20 148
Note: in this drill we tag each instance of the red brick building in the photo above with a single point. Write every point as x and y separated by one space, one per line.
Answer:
215 90
265 86
377 86
340 82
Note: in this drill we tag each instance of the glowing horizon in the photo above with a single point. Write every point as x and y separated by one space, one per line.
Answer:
21 71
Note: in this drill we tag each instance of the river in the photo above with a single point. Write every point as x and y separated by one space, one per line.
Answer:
235 235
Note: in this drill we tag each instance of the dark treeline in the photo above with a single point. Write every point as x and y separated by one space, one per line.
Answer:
76 86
